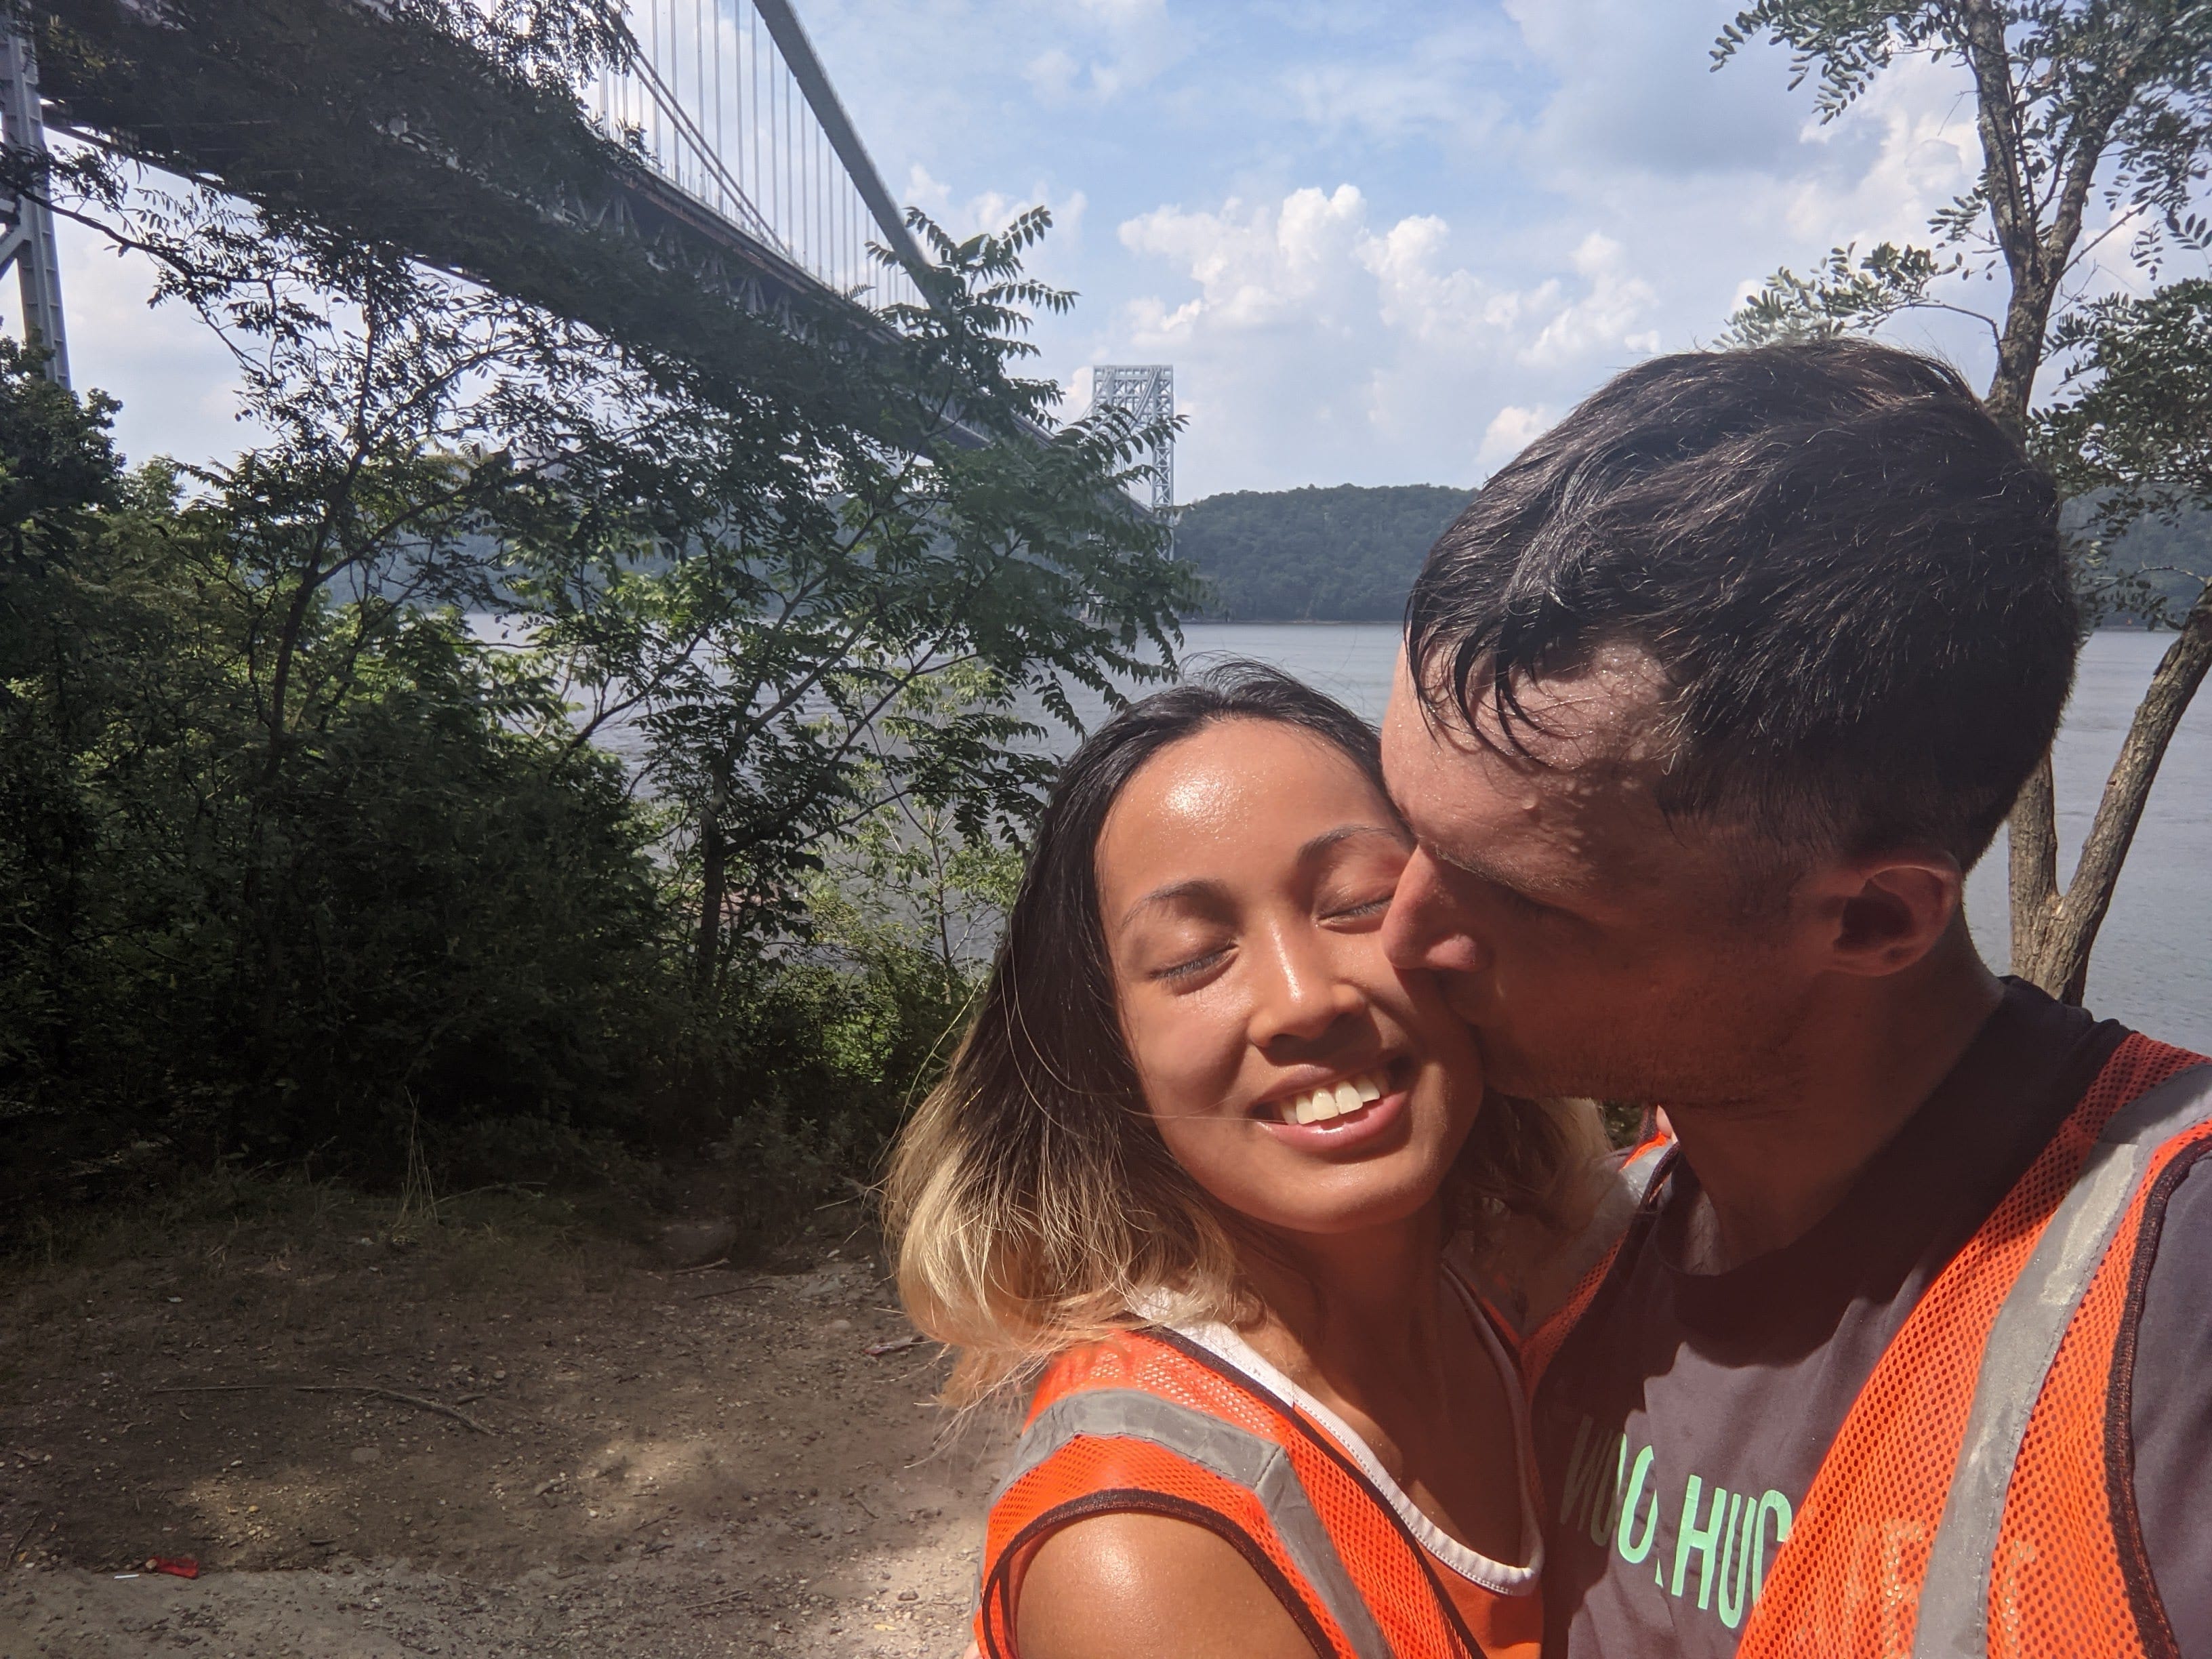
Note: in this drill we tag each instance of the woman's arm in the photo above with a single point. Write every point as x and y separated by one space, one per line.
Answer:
1146 1587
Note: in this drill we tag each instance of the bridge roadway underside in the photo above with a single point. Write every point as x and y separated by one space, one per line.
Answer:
383 130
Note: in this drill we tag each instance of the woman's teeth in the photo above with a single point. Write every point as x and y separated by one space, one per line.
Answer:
1333 1099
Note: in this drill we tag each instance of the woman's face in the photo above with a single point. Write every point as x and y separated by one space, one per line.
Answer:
1303 1081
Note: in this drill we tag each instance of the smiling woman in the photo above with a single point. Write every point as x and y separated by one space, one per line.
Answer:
1198 1161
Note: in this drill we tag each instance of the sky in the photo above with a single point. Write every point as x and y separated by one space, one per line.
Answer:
1384 243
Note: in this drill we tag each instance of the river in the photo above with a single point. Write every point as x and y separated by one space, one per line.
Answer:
2153 965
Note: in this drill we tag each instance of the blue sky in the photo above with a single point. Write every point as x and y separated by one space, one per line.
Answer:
1380 244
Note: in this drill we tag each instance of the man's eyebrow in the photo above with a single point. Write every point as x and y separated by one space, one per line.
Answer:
1435 851
1517 885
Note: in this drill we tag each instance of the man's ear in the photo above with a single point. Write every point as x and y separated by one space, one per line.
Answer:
1882 914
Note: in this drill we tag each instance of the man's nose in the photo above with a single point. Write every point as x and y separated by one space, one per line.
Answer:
1425 927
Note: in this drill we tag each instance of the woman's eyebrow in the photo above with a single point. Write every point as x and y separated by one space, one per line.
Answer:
1198 887
1344 832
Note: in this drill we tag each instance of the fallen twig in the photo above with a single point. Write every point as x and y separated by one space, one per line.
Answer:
703 1267
522 1187
734 1290
713 1602
381 1393
16 1548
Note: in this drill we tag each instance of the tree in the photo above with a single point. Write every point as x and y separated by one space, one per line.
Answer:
2080 104
2131 438
312 824
790 673
211 945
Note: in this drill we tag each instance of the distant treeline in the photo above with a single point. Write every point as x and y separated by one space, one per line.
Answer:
2157 567
1344 554
1349 554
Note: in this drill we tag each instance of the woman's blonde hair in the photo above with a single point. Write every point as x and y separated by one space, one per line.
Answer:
1032 1201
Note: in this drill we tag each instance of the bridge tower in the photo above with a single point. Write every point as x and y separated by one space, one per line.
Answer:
26 223
1147 391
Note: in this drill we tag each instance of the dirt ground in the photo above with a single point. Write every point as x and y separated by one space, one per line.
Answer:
496 1432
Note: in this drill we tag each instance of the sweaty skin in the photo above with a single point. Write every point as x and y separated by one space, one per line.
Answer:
1146 1584
1243 875
1788 1019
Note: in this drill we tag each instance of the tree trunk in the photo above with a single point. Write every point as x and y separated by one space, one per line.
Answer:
714 895
2032 829
2036 256
2057 957
2032 838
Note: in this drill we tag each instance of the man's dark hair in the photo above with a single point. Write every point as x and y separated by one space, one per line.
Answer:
1848 573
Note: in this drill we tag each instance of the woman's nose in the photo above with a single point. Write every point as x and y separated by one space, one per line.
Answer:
1425 927
1299 993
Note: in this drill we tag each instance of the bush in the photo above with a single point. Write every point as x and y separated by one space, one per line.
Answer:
426 920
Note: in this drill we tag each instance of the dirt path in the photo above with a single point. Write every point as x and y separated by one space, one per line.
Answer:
661 1462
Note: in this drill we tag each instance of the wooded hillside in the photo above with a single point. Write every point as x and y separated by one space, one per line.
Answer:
1348 554
1344 554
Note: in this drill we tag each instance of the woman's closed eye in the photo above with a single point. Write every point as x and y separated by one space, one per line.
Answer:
1362 909
1194 964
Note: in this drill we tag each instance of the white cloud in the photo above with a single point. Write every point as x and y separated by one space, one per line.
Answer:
1120 46
1311 346
992 210
1635 93
1540 192
1511 430
1604 316
1622 210
1254 265
1424 95
1052 75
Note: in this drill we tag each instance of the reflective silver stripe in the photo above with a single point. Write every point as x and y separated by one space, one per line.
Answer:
1631 1183
1250 1460
1955 1598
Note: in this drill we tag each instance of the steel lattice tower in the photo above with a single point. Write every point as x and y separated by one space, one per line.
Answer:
1147 391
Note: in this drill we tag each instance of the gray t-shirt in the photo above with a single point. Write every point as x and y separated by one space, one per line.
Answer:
1716 1395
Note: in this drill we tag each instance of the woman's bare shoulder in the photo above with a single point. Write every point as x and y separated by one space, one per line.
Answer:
1134 1586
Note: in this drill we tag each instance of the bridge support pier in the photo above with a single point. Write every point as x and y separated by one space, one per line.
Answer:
26 223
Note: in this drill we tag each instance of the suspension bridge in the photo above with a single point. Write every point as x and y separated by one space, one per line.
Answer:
710 196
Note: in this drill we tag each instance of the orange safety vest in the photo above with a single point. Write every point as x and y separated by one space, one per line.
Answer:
1148 1421
1977 1500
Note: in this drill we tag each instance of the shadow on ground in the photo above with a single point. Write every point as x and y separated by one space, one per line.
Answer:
517 1438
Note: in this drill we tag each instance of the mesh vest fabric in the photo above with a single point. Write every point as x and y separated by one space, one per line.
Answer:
1145 1422
2066 1578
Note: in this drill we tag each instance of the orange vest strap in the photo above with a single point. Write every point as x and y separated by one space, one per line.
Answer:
1259 1465
1592 1252
2022 1345
1595 1243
